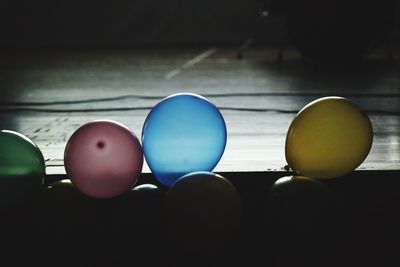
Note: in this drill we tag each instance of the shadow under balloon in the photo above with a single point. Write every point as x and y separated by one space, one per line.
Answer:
59 227
373 199
64 227
134 228
286 221
18 190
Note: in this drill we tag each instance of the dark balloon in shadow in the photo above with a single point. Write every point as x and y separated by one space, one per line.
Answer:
134 223
60 227
304 223
202 220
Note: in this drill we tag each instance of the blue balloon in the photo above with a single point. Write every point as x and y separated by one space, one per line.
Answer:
183 133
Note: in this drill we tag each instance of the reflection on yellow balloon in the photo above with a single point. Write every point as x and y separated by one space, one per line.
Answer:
328 138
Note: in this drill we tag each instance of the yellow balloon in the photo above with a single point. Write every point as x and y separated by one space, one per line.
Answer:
328 138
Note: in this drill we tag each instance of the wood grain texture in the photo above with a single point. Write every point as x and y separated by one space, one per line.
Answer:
44 93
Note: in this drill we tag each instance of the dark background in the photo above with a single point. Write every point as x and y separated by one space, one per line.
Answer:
157 22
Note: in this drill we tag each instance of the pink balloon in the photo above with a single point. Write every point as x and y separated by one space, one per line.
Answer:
103 159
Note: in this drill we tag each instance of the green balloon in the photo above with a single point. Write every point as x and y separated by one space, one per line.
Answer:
22 169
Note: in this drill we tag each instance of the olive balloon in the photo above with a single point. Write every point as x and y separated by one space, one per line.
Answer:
328 138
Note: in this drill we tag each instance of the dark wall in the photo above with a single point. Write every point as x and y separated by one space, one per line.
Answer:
140 22
125 22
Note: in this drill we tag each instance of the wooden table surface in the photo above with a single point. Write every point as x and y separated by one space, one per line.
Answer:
47 94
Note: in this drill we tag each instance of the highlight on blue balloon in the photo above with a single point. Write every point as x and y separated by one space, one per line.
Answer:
183 133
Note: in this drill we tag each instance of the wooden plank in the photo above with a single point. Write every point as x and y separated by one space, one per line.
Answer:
42 93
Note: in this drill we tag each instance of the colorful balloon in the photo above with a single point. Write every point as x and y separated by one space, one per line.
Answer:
183 133
103 159
328 138
202 212
22 169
